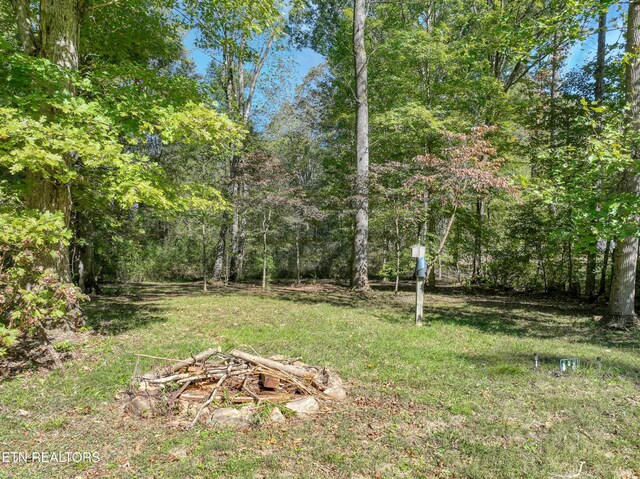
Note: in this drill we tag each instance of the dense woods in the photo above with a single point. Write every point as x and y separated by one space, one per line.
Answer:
464 125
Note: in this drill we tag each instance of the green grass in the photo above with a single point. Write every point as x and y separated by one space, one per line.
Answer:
459 398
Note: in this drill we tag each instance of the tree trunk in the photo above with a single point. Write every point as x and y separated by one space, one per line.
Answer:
265 229
85 254
623 286
242 239
590 280
298 265
24 24
360 272
477 249
603 273
59 30
204 256
46 194
431 237
221 248
237 190
397 286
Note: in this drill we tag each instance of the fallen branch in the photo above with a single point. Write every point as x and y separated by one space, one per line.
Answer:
285 368
201 357
208 401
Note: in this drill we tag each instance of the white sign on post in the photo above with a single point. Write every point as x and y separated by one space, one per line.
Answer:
418 251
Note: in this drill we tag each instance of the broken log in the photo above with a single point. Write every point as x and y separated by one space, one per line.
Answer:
285 368
198 358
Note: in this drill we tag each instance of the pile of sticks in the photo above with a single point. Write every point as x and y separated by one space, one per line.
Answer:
213 377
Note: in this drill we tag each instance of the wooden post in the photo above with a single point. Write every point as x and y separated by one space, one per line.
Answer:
417 252
419 300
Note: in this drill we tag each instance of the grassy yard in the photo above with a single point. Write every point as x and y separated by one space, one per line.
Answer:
459 398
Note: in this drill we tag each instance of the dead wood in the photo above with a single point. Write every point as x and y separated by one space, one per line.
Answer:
201 357
233 378
270 363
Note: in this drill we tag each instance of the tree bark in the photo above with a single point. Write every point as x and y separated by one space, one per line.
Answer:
236 221
25 25
477 249
431 237
204 255
397 224
298 264
266 219
221 248
590 280
603 273
59 31
623 286
360 272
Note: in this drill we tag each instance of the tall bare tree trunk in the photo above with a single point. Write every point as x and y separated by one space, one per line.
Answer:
204 255
298 259
266 220
590 280
360 273
220 250
623 286
477 248
431 247
59 35
603 272
236 220
397 245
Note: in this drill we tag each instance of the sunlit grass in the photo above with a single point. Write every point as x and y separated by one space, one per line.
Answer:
459 398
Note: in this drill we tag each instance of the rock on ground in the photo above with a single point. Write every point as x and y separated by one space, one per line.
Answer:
141 406
276 415
228 417
307 405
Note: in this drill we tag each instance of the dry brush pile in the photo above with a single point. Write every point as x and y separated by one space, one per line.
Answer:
232 390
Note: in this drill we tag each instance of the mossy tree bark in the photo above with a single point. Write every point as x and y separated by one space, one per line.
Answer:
59 34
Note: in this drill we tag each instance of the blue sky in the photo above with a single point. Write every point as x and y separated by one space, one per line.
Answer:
304 59
586 50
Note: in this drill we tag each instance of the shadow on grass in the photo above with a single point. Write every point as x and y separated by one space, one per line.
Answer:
528 321
518 315
116 315
512 364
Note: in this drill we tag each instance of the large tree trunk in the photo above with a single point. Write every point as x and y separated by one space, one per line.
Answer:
623 286
235 260
360 272
590 280
59 30
221 248
477 242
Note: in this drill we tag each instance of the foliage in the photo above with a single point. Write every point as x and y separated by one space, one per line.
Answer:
32 299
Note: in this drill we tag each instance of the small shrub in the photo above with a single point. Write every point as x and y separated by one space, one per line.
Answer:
33 299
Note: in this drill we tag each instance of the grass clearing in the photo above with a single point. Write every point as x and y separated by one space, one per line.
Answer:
459 398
